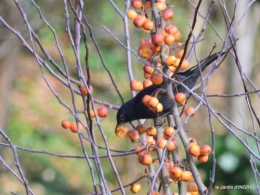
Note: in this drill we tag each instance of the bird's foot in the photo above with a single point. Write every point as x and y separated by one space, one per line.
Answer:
158 122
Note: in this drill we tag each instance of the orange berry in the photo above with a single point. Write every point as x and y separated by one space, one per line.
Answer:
177 36
159 108
148 25
141 128
121 131
194 150
169 131
176 62
151 131
175 172
157 79
180 53
192 187
137 4
169 39
148 5
203 159
148 69
135 188
161 142
136 85
147 83
131 14
133 135
91 112
166 28
145 159
74 128
164 33
205 150
145 99
170 60
172 145
65 124
184 65
161 6
179 98
172 30
186 176
153 102
84 90
147 75
139 21
189 110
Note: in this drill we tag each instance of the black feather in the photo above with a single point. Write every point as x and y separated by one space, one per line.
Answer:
134 109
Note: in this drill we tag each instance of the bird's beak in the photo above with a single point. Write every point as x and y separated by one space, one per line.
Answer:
118 126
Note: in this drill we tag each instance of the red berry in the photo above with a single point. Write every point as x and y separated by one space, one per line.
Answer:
139 21
102 112
167 14
157 39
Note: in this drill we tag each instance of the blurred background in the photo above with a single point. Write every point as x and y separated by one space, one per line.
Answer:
31 115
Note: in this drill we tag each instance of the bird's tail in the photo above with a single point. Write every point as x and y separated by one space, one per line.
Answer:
189 77
204 64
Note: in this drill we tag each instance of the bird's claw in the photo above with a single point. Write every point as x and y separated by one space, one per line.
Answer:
158 122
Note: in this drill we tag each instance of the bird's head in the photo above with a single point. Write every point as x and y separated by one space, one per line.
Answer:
125 114
122 116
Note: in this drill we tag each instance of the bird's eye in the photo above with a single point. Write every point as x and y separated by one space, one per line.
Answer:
122 118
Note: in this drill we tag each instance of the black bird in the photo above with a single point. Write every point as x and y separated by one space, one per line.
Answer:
134 109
